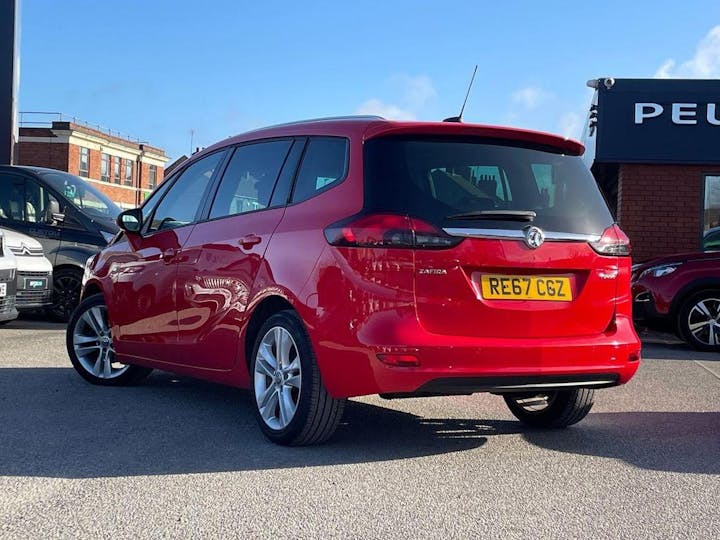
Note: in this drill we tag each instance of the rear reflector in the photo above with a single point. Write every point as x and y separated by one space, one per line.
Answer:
388 231
399 360
612 242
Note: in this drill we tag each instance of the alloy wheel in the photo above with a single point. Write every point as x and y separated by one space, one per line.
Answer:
277 378
93 345
66 295
703 321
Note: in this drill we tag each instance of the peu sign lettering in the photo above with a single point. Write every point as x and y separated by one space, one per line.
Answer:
658 121
681 113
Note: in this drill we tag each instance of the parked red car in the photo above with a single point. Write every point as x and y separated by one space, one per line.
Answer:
321 260
681 293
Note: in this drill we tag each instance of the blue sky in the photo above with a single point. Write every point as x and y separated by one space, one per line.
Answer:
159 69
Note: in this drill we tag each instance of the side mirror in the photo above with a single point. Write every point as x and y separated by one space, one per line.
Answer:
130 220
53 211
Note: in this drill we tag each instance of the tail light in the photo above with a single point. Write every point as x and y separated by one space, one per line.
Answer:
612 242
388 231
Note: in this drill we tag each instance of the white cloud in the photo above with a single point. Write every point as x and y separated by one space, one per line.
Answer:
665 71
704 65
418 91
529 97
386 110
415 94
570 124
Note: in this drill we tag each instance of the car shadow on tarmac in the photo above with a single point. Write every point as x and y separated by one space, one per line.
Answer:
677 351
682 442
53 424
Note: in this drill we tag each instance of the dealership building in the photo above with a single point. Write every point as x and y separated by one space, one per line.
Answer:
656 145
126 170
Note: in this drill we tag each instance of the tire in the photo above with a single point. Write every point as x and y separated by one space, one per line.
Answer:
697 320
557 409
291 404
67 285
89 345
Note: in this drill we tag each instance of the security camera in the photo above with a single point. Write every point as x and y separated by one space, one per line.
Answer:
609 83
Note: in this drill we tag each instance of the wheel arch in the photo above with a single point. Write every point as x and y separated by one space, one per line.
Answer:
688 290
265 308
91 288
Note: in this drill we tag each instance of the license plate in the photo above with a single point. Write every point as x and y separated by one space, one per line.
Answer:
496 287
35 283
3 289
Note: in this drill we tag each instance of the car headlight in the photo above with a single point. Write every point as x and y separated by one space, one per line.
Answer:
660 271
107 236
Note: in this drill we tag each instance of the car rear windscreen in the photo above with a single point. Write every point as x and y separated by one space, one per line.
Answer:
435 178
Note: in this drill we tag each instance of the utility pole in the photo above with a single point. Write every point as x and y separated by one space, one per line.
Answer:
9 53
192 135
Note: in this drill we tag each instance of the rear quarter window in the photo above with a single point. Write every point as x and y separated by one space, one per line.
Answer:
323 166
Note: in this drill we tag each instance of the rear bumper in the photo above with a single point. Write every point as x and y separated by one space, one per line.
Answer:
505 385
461 365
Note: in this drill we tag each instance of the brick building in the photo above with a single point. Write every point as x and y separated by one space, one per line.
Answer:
656 145
125 170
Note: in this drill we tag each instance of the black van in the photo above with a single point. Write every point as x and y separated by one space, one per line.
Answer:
68 216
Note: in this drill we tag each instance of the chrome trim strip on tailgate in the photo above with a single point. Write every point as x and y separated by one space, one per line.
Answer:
520 234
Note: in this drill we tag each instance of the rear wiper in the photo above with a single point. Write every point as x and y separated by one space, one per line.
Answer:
510 215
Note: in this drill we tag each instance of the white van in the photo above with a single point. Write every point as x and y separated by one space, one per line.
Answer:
34 271
8 265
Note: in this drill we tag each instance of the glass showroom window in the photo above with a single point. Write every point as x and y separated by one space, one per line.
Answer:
711 214
105 167
84 162
128 172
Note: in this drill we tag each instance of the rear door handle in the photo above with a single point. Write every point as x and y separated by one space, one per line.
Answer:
250 240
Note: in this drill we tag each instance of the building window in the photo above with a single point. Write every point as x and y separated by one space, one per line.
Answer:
711 209
128 172
84 162
105 167
152 176
116 169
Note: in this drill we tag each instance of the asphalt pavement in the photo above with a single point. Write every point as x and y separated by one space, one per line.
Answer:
176 457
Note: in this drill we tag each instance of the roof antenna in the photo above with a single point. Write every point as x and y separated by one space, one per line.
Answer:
459 117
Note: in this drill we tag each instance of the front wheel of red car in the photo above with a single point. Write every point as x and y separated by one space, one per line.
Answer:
291 404
90 346
557 409
699 320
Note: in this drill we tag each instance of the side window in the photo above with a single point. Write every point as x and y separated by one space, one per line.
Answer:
27 201
325 163
180 206
154 199
249 179
284 184
39 204
12 198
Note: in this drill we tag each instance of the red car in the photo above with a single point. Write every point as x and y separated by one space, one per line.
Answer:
681 293
321 260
